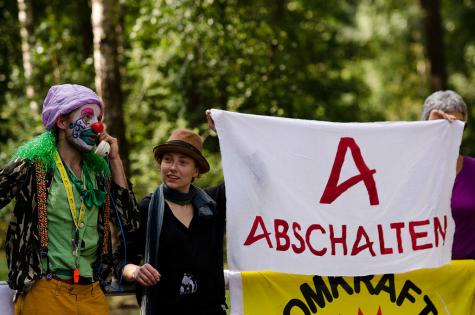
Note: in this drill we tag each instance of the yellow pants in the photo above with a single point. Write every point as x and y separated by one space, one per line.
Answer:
51 297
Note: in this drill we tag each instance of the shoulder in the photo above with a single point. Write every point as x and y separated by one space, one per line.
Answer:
19 162
469 162
469 159
216 192
143 204
18 166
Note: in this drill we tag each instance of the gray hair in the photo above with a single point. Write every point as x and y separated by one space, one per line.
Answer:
447 101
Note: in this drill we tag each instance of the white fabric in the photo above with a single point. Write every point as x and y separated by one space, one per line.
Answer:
6 299
278 169
235 292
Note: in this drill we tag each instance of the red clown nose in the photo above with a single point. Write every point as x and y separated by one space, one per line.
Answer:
97 127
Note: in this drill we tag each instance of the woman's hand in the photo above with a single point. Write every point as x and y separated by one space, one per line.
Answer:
144 275
440 114
210 120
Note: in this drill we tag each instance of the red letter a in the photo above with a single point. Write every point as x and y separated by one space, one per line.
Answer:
333 190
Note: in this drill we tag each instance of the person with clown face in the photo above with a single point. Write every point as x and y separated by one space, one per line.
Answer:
58 242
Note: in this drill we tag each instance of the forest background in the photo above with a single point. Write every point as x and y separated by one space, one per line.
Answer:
159 64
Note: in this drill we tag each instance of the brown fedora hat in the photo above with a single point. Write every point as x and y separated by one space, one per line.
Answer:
186 142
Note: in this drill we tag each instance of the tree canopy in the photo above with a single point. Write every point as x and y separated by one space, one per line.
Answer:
326 60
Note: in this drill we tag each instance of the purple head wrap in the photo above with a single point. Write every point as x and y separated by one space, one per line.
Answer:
65 98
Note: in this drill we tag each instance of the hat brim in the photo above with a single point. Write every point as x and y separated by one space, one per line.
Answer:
161 149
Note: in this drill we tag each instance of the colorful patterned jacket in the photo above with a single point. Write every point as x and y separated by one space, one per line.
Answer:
28 183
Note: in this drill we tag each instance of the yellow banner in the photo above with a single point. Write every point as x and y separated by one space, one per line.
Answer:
443 291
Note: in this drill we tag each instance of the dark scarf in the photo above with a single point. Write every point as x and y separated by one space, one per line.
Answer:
179 197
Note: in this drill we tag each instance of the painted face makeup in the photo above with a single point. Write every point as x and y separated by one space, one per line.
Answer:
81 133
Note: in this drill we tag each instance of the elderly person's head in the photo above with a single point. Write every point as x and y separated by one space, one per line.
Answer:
447 101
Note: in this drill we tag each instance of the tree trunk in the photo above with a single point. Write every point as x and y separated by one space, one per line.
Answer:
25 17
107 29
435 44
85 27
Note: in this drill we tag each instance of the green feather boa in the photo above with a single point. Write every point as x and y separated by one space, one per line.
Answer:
42 148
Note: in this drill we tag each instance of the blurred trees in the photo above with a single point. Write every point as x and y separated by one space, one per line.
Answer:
107 30
25 18
459 23
435 44
295 59
338 61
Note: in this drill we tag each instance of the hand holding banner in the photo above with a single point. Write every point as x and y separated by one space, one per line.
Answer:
337 199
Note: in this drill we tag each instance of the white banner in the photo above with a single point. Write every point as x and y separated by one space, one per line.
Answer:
6 299
338 199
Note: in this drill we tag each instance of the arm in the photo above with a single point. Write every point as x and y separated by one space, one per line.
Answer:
117 168
210 120
129 268
144 275
439 114
121 189
127 210
218 193
12 178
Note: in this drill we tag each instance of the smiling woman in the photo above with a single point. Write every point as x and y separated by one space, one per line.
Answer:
180 236
178 171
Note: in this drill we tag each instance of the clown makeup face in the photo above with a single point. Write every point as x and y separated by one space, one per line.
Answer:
83 127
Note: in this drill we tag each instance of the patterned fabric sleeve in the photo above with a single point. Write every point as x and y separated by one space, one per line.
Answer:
126 207
12 178
131 247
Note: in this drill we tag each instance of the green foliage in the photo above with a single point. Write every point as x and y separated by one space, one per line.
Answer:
460 55
10 79
334 60
15 118
3 267
282 58
396 74
61 54
276 58
337 61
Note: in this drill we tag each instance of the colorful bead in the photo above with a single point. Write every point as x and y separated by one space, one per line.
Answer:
107 211
42 204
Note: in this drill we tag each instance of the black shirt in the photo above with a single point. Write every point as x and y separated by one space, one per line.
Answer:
190 259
